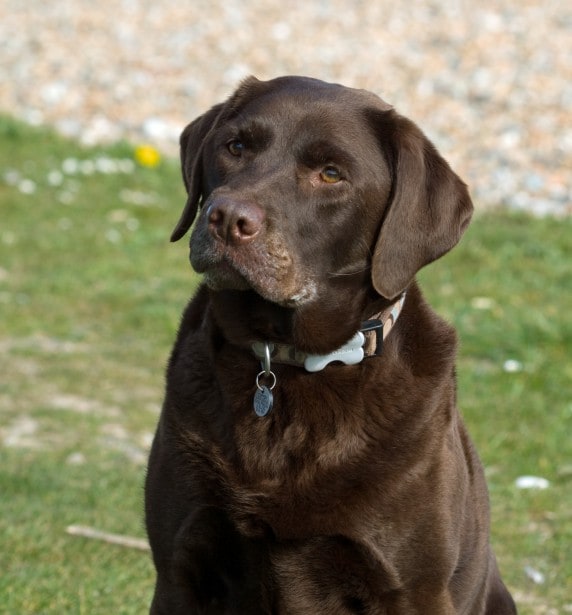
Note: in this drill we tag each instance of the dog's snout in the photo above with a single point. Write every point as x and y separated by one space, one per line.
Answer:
235 222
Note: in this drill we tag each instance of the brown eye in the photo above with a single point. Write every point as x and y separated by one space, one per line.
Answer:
235 147
330 175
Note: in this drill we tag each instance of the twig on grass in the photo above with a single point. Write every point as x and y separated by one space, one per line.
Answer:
116 539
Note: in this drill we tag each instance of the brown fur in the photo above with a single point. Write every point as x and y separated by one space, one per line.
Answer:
360 492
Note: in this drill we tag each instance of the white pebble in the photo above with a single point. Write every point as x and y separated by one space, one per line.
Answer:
70 166
106 165
126 166
482 303
76 459
55 178
11 177
531 482
27 186
512 366
87 167
113 236
534 575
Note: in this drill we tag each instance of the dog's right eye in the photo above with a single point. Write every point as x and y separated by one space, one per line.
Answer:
235 147
330 175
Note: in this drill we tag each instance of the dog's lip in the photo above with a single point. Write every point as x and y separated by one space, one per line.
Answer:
226 274
261 268
223 275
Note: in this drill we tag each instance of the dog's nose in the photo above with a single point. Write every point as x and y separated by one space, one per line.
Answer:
234 222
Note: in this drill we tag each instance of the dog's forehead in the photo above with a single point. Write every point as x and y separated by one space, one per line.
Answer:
299 99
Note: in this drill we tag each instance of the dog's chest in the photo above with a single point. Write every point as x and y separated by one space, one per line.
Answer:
312 458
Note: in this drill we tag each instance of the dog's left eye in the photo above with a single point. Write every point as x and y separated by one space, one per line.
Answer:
235 147
330 175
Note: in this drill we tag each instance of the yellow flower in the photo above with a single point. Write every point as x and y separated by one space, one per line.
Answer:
147 156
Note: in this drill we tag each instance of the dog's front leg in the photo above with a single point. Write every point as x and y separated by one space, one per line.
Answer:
214 570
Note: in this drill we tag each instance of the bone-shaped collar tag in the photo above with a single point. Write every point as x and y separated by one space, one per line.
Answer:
350 353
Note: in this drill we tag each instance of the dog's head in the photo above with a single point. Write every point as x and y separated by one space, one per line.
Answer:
305 185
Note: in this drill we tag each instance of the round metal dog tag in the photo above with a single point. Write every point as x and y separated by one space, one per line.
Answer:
263 400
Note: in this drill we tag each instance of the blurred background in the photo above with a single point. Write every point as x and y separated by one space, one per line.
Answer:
490 82
93 97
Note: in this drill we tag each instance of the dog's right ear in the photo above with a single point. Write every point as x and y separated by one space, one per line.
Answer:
191 147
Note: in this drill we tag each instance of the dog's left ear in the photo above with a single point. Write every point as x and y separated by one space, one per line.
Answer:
429 207
191 148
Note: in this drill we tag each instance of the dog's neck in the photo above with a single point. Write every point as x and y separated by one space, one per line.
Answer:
367 342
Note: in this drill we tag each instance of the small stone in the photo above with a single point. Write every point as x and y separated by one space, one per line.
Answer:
534 575
76 459
531 482
512 366
27 186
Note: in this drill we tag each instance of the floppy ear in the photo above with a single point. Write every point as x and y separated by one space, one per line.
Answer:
191 148
428 211
192 143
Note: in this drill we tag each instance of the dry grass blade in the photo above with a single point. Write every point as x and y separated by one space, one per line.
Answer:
116 539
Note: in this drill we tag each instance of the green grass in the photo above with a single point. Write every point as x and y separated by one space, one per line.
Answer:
91 293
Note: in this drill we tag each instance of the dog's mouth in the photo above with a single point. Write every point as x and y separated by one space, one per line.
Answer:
223 276
270 273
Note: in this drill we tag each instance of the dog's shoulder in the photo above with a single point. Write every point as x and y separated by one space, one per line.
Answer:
192 321
195 312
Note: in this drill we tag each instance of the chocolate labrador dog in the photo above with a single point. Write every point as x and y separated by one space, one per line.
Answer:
310 458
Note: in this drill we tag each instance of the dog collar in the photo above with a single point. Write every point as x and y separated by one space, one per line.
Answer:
367 342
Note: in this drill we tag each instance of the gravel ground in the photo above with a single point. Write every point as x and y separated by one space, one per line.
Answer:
492 86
